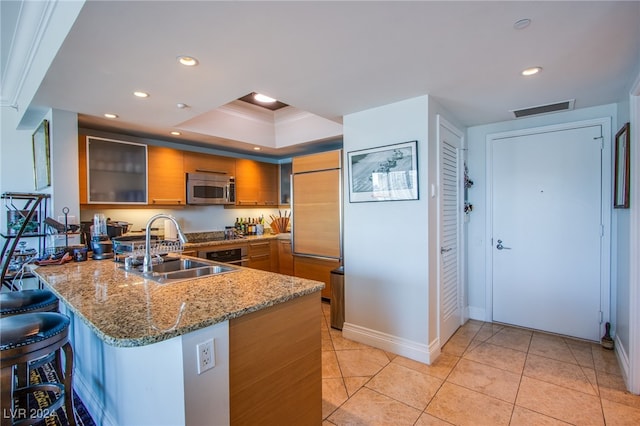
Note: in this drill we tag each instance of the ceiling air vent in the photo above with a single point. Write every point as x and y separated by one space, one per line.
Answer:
544 109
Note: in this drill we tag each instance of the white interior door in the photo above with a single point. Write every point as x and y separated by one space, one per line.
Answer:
547 231
450 230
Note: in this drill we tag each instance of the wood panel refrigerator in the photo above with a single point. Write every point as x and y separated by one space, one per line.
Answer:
317 216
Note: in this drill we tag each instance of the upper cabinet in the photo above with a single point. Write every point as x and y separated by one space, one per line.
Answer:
197 162
112 172
256 183
315 162
285 183
166 176
125 173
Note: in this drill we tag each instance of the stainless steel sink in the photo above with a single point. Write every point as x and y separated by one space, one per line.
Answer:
179 264
181 269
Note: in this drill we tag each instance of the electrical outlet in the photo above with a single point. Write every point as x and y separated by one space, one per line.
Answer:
206 356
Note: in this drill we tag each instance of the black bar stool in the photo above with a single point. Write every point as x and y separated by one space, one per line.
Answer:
23 301
27 337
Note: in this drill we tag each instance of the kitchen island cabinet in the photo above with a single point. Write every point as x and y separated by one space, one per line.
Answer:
135 345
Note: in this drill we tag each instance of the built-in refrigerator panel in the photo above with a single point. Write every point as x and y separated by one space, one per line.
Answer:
316 206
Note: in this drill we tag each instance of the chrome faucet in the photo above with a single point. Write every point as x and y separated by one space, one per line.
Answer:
147 266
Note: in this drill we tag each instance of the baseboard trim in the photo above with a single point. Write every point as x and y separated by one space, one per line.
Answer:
390 343
476 313
623 360
90 400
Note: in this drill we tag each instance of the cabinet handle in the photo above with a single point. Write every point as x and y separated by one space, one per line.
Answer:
257 256
266 243
219 172
166 201
248 202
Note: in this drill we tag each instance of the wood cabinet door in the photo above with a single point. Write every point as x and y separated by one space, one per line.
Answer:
260 255
285 258
316 214
256 183
166 176
316 269
199 162
320 161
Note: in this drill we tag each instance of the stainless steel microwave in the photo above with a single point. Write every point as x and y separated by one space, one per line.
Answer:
210 188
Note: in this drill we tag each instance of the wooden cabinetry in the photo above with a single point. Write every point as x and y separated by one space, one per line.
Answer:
316 269
256 183
317 224
314 162
199 162
166 176
260 256
162 171
285 258
285 387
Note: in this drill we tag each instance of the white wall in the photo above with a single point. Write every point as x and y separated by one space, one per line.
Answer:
16 162
620 255
476 144
63 128
386 244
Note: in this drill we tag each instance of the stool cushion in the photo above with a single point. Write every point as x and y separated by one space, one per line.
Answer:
27 329
15 302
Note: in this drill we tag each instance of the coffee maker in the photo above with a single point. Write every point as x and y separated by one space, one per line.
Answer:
100 243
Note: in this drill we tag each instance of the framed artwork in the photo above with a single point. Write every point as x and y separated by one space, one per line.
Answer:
386 173
622 169
41 161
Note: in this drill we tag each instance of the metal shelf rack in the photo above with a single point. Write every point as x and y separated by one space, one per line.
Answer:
25 218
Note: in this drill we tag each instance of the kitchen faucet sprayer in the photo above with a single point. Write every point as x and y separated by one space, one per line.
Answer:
146 262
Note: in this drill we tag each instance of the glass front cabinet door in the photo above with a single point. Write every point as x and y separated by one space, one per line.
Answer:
116 172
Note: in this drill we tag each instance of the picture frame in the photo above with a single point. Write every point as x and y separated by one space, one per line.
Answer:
385 173
622 168
41 156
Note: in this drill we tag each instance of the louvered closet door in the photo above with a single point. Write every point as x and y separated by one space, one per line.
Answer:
450 224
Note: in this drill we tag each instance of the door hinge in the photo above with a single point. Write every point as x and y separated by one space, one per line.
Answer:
602 230
600 317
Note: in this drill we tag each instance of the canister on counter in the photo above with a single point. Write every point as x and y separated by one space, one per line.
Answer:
79 253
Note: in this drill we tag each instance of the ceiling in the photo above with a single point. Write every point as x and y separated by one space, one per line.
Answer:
332 59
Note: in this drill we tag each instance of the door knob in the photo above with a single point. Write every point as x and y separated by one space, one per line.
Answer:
501 247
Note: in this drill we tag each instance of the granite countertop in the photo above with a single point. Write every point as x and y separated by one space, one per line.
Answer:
204 239
126 310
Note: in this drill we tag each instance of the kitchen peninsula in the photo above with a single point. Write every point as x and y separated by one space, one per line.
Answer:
135 344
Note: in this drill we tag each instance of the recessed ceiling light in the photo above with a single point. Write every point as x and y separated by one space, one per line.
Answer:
174 133
531 71
263 98
141 94
256 148
188 61
110 115
522 24
182 105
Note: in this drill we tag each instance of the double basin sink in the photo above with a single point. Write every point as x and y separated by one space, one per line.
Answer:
174 269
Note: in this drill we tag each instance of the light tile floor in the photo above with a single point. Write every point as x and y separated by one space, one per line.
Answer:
487 374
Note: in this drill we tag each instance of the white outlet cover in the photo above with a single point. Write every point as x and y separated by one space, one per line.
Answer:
206 356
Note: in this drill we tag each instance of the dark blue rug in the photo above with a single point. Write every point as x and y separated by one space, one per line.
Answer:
41 399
